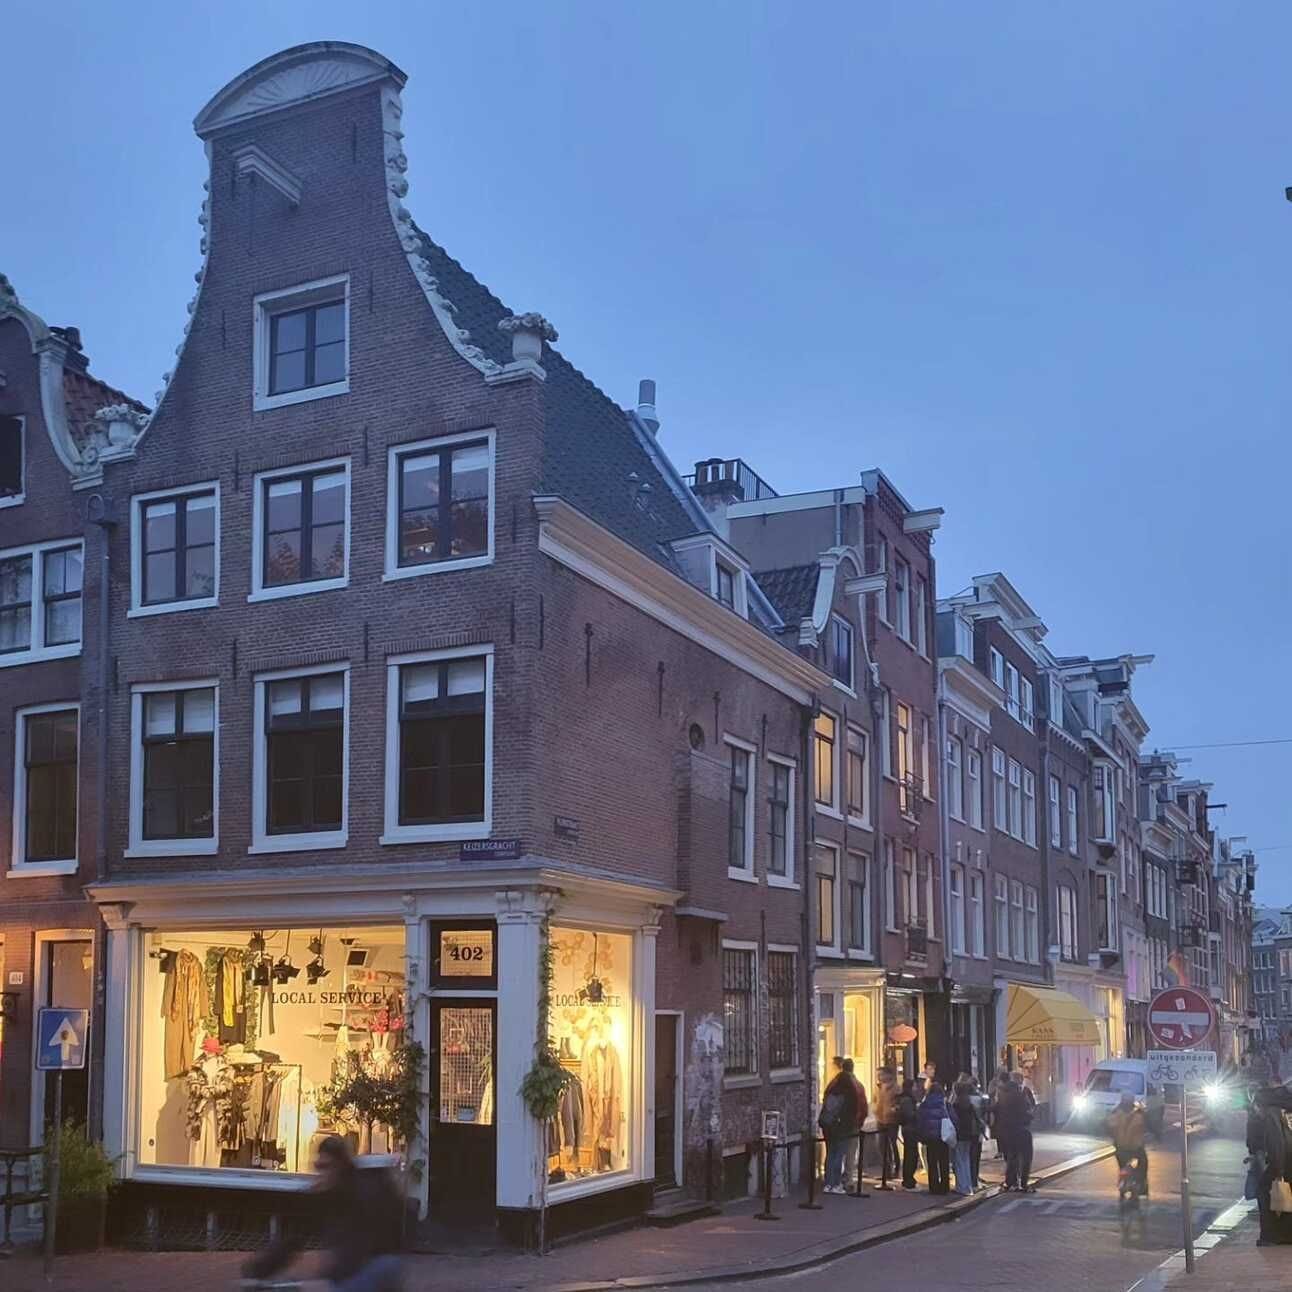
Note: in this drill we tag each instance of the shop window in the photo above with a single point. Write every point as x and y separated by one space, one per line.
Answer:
257 1043
45 828
441 505
739 982
173 770
592 1034
11 461
782 1009
175 540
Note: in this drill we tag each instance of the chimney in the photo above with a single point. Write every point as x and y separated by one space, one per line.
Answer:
646 405
76 357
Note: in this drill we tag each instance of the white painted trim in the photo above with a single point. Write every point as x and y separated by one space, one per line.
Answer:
262 478
138 845
835 947
137 608
832 807
38 651
284 300
392 831
787 880
747 871
18 866
393 570
39 990
261 840
679 1087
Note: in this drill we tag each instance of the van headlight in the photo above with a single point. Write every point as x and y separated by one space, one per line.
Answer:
1213 1093
1080 1102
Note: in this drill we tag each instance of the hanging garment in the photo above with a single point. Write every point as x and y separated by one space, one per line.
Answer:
184 1005
230 999
565 1132
603 1101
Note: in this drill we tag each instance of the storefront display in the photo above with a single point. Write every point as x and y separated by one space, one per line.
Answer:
242 1063
591 1030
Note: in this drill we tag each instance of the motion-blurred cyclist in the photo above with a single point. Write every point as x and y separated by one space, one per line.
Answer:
1129 1129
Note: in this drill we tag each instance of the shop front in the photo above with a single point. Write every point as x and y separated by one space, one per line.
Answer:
850 1022
1042 1027
973 1032
249 1018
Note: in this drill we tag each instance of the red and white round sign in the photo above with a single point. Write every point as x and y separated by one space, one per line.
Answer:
1180 1018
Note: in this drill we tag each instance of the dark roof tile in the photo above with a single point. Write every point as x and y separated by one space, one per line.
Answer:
791 590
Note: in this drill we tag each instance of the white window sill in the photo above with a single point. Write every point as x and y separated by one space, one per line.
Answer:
785 1076
35 869
298 589
436 567
745 1081
906 641
953 817
844 687
860 822
826 810
832 953
860 955
745 876
37 656
173 848
325 839
263 403
780 881
13 500
172 607
436 833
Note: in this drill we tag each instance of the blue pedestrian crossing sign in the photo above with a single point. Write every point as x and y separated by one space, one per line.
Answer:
61 1036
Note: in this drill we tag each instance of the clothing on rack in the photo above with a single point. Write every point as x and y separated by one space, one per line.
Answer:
230 998
565 1130
184 1005
603 1103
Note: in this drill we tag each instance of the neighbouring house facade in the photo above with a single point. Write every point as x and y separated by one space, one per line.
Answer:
1233 877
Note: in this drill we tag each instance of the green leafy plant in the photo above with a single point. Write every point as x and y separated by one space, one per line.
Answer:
84 1169
546 1080
364 1095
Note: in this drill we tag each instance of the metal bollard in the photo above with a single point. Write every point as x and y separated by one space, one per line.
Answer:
861 1165
769 1147
809 1157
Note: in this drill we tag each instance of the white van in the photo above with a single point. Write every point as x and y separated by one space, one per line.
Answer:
1103 1090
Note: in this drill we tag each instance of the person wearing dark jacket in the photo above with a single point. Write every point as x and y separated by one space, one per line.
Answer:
358 1211
838 1121
1014 1129
907 1117
964 1113
933 1108
852 1164
1269 1143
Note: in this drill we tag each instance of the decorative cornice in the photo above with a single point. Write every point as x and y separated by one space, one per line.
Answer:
252 160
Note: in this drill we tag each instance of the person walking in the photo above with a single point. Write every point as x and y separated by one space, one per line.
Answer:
886 1096
1269 1142
994 1087
1014 1130
975 1149
968 1133
854 1158
908 1120
837 1121
937 1154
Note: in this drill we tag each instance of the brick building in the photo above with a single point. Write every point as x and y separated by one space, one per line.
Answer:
420 652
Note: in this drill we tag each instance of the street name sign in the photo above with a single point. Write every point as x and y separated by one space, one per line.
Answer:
1189 1068
1180 1018
61 1036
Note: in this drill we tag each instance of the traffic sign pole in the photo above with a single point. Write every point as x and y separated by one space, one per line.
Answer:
1185 1205
55 1153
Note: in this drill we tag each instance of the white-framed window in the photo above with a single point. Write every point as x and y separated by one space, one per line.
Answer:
780 819
300 759
1029 807
46 789
964 637
175 549
920 614
439 745
955 778
13 461
1032 918
886 730
174 769
1017 929
1056 700
1027 704
841 651
927 753
859 903
977 915
890 886
300 539
884 601
740 1009
725 584
741 796
1104 822
1015 799
825 746
902 597
957 881
905 759
858 779
1011 691
1106 911
1001 894
1067 908
1054 812
302 343
973 787
40 602
826 864
910 887
1072 819
440 505
930 904
997 662
1000 807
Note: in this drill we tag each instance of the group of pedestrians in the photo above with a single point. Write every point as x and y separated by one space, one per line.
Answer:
946 1128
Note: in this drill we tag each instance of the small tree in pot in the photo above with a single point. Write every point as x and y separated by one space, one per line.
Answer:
85 1176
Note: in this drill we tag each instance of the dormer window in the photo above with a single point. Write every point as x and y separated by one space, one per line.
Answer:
726 587
11 461
302 343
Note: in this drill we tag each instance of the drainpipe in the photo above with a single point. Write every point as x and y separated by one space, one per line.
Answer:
838 518
944 845
99 512
808 934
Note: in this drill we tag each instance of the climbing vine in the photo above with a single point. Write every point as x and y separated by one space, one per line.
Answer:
546 1080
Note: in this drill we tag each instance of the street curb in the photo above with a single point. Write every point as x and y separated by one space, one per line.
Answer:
825 1252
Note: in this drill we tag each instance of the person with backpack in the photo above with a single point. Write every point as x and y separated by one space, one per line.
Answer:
908 1119
837 1120
964 1113
933 1112
853 1158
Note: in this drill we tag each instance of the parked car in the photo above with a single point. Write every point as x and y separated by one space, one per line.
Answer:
1103 1090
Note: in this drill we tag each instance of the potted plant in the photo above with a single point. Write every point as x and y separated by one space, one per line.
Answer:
85 1175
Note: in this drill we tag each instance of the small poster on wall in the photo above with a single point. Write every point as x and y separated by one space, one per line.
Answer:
772 1126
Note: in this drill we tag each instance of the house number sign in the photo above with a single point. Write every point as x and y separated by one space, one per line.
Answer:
466 953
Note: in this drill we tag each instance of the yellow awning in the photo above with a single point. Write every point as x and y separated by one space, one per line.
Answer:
1043 1016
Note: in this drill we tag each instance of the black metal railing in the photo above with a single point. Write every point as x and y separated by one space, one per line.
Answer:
917 941
717 471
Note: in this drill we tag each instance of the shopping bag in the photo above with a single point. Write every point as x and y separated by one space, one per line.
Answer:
1281 1197
949 1135
870 1125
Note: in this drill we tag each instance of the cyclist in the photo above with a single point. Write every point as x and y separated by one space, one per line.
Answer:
1129 1128
359 1216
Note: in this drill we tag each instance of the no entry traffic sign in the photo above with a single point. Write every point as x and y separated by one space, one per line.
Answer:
1180 1018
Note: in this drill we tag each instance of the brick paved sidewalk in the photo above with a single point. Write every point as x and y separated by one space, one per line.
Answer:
699 1250
1226 1258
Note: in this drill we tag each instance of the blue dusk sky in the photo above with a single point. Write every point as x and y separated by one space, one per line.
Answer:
1029 259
